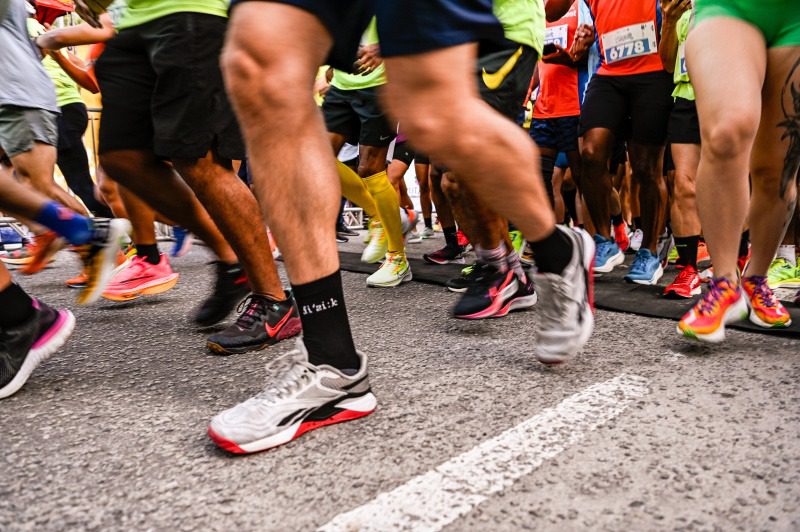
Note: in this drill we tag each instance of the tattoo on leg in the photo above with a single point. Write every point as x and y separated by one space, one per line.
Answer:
791 124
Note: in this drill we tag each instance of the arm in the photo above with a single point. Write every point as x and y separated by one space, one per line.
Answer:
668 47
77 35
555 9
581 43
77 70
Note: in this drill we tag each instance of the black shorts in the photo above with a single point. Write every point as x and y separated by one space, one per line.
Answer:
163 90
505 93
416 26
408 155
619 156
684 126
356 115
640 102
560 133
72 123
345 20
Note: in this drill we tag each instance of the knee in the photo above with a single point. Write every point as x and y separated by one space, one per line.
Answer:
730 138
262 81
594 156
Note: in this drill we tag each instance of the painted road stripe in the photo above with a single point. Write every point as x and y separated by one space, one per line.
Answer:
433 500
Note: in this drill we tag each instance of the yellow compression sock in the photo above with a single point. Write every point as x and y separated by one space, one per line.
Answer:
388 208
354 189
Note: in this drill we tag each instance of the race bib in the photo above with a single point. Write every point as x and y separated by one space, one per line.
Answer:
631 41
682 60
556 35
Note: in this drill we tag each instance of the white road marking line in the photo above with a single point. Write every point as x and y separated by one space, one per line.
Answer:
433 500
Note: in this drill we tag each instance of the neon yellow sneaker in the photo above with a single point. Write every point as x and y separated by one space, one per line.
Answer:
782 274
378 245
517 241
394 271
673 255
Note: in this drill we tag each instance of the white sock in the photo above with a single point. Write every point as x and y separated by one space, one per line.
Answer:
788 253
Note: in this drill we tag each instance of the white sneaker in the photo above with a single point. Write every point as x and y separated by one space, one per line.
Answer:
566 317
427 233
299 397
413 238
378 246
636 240
394 271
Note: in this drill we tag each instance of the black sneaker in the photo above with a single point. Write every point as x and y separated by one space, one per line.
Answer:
230 288
344 231
341 239
27 345
468 276
447 255
487 295
263 323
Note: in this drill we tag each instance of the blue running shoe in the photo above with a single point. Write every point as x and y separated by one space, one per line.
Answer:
183 242
646 268
10 238
607 255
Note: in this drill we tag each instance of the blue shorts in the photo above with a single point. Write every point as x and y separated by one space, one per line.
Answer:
408 27
556 133
562 161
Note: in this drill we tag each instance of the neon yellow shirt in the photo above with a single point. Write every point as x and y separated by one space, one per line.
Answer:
523 21
683 86
142 11
348 82
67 91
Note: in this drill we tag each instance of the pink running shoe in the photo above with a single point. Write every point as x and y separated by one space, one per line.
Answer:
141 278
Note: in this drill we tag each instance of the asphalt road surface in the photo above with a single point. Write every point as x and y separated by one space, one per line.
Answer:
645 431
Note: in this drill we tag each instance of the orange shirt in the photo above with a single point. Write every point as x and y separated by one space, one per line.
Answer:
558 84
628 33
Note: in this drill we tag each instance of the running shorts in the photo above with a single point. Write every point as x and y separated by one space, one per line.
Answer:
634 107
778 20
405 153
619 156
356 115
684 126
20 127
163 90
560 133
345 20
562 161
505 93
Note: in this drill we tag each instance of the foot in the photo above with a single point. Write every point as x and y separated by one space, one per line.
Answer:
43 249
636 240
517 241
468 276
230 288
343 230
299 397
264 322
427 233
79 281
446 255
723 303
646 268
765 309
18 257
395 270
702 252
494 294
566 314
99 256
782 274
25 346
607 256
183 242
377 247
141 278
621 236
686 284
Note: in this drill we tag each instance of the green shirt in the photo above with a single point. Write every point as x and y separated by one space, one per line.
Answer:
67 90
683 86
142 11
523 21
348 82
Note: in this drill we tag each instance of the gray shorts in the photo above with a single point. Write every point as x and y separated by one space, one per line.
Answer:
20 127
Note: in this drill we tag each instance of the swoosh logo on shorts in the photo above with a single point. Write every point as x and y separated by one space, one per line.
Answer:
272 331
494 80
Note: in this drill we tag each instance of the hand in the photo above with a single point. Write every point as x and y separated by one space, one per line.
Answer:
321 86
369 58
90 10
559 57
673 9
582 42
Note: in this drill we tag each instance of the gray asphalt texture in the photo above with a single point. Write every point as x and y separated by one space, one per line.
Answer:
109 434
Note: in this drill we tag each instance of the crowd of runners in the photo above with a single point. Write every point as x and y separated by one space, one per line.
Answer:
549 137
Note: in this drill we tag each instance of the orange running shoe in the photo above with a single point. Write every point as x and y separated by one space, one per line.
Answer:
765 309
79 281
722 303
43 248
141 278
702 252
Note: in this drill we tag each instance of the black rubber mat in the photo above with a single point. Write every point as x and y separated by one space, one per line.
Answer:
611 292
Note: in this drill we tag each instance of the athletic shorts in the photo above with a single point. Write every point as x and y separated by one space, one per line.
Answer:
562 161
72 123
20 127
778 20
684 126
345 20
405 153
415 26
619 156
634 107
356 115
505 93
556 133
163 90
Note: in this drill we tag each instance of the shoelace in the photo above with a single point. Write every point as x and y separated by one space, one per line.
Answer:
639 262
250 310
711 300
686 275
762 292
285 376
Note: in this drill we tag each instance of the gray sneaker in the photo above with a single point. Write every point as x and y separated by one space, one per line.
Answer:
298 397
566 317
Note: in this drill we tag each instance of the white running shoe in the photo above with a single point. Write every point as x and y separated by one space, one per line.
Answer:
427 233
636 240
395 270
378 246
299 397
566 315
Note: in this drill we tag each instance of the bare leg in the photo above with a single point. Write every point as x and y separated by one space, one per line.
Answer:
424 180
36 166
683 213
594 183
646 164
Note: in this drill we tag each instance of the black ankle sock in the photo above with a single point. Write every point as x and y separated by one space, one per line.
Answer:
552 253
744 243
429 222
616 219
512 227
450 237
547 165
570 211
637 222
148 252
687 249
15 306
326 330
